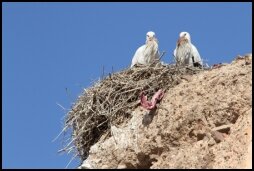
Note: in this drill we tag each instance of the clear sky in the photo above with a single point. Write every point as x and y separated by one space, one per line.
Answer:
51 47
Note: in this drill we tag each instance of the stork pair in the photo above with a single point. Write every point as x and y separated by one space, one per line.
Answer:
185 52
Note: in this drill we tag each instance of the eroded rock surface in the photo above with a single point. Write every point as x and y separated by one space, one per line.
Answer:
204 122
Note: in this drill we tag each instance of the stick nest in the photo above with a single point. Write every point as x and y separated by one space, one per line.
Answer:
111 100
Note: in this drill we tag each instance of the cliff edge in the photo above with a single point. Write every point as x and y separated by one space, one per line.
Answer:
203 122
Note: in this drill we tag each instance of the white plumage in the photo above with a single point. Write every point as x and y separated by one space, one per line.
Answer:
186 53
147 53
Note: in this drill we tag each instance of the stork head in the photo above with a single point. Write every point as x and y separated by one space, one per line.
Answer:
185 35
150 36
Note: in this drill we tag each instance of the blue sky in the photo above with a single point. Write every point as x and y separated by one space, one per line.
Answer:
48 47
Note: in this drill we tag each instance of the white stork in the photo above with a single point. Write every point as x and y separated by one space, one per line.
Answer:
147 53
186 53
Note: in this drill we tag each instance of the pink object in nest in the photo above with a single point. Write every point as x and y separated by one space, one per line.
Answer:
151 105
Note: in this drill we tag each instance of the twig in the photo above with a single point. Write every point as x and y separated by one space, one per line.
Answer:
221 127
71 160
61 106
162 55
59 133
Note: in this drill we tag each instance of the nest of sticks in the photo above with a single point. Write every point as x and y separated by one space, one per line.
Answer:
110 101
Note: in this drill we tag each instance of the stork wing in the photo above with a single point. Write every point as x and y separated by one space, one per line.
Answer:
174 53
138 56
196 55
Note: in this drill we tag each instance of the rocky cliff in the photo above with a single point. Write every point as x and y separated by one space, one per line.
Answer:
203 122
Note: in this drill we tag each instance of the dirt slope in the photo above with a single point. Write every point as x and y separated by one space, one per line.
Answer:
204 122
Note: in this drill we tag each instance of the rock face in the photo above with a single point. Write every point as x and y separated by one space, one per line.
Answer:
204 122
